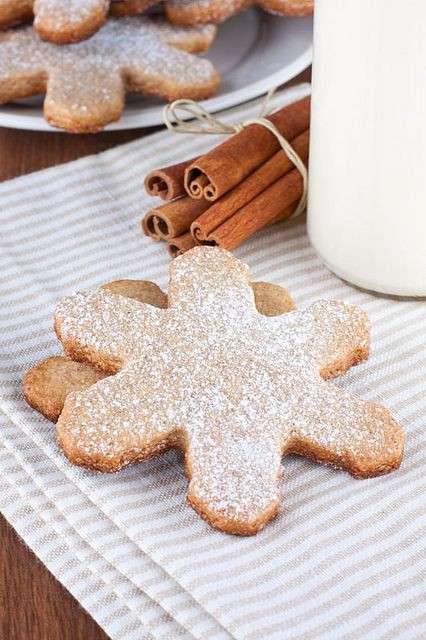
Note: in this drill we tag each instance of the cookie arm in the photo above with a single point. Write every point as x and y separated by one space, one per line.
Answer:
337 428
82 97
47 385
20 78
116 422
107 330
329 335
209 11
235 486
67 22
195 284
170 73
191 39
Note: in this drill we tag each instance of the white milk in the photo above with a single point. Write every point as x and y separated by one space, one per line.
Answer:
367 204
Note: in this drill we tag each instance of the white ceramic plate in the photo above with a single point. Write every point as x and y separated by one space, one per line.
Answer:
253 52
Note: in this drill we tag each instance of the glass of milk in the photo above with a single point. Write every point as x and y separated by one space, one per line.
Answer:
367 203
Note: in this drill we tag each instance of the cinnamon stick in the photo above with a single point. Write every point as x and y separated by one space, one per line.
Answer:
167 182
198 186
174 218
277 202
182 243
248 189
149 227
232 161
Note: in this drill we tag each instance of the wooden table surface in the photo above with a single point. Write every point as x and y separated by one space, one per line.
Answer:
33 604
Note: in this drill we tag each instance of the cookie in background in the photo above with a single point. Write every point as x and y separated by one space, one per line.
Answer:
192 12
66 22
86 83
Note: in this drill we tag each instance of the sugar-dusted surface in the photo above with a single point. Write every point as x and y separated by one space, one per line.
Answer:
85 82
72 12
201 11
194 12
66 16
233 388
140 42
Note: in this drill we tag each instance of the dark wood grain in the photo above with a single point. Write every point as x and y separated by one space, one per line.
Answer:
25 151
33 604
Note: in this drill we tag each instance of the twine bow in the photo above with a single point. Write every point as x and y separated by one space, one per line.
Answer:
203 122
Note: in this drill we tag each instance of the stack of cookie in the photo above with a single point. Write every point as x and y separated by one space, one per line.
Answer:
85 63
203 369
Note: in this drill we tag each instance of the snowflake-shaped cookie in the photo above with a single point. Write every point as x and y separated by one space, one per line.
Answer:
69 21
85 83
233 389
191 12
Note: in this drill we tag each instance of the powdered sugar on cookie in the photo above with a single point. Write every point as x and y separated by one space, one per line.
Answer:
70 12
85 83
67 21
233 389
191 12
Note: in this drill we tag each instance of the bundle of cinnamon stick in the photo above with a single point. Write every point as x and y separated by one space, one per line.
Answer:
236 189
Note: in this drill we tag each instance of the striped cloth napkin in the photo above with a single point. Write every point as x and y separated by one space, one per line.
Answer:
346 558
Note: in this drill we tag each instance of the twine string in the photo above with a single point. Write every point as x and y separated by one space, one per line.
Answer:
204 122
